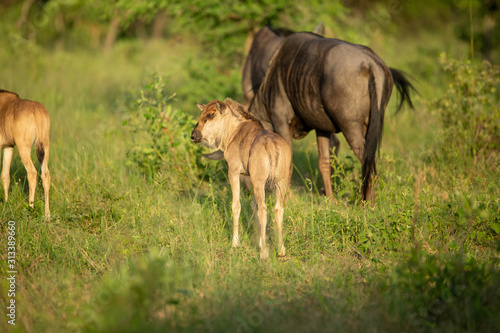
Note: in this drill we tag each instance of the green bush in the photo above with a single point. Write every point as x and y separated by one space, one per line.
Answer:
141 297
162 150
470 109
441 293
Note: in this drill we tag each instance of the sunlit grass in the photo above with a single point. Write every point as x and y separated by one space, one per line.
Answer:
122 253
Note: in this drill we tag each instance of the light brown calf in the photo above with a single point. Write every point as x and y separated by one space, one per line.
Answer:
23 123
249 150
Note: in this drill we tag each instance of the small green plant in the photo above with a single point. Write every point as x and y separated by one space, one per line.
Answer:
162 150
345 180
142 296
439 292
470 109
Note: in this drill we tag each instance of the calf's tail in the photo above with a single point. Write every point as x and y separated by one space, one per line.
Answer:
42 136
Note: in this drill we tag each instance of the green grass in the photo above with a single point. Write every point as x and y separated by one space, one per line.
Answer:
122 253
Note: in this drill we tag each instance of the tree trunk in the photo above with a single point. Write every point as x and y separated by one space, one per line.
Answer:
114 26
140 28
25 11
158 24
60 29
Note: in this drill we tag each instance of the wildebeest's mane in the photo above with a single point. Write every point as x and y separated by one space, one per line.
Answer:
271 84
241 109
284 32
9 92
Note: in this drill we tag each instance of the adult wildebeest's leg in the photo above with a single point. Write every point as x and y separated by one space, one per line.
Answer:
25 153
280 196
323 141
370 192
7 159
334 144
234 180
356 140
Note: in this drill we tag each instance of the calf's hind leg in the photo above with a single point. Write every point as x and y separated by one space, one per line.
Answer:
278 210
25 153
260 201
46 180
7 159
234 180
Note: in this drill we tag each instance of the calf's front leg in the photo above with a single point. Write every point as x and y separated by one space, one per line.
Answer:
7 159
234 180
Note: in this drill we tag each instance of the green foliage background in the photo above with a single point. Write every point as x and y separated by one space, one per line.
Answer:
139 238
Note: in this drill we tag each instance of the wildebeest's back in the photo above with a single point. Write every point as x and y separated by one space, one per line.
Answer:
265 43
310 70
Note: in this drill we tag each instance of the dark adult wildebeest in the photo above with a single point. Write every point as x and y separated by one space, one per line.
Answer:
265 43
331 86
252 151
23 123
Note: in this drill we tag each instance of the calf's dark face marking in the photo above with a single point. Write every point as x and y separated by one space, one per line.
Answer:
208 128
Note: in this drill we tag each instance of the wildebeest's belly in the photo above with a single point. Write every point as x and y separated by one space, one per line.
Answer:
308 107
317 119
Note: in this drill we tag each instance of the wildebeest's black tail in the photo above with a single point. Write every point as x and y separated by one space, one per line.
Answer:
373 135
404 86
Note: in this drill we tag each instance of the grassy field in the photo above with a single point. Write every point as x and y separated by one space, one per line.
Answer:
129 250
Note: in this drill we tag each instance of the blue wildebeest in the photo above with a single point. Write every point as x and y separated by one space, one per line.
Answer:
252 151
331 86
23 123
265 43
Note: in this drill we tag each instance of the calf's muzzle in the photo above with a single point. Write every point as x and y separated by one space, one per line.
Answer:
195 136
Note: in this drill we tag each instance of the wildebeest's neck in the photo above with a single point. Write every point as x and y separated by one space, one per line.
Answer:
258 109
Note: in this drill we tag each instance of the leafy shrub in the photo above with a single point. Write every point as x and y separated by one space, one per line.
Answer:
441 293
142 296
205 83
345 178
470 109
163 151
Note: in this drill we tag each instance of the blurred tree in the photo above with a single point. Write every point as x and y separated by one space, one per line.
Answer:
24 13
159 24
226 24
119 14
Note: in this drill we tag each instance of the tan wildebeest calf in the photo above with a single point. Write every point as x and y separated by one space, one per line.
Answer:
23 123
249 150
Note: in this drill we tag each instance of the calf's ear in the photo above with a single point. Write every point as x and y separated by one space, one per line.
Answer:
219 105
200 106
